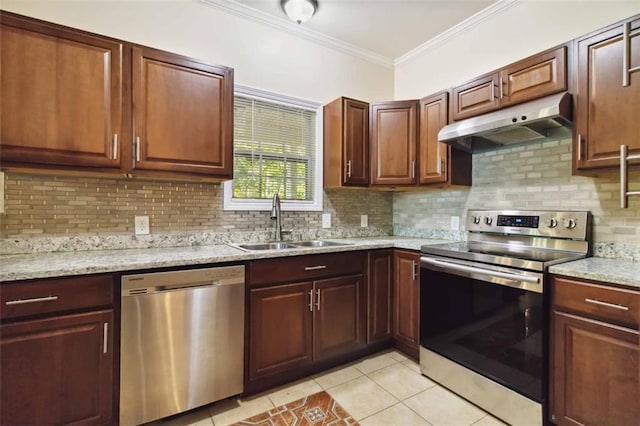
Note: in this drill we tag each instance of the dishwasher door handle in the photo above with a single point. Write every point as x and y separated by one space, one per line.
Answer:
187 286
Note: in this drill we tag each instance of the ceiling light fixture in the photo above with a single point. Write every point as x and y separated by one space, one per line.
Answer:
299 11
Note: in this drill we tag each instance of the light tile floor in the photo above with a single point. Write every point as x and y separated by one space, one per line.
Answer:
383 389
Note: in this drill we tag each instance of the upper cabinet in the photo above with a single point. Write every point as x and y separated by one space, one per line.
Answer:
607 95
394 132
72 100
346 143
438 162
62 96
531 78
475 97
182 114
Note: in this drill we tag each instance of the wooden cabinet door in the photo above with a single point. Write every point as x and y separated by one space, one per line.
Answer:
61 102
380 296
595 373
532 78
433 154
339 320
394 143
280 328
356 142
58 371
607 111
406 329
475 97
182 114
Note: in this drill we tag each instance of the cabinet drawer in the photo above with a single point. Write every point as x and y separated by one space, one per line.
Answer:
55 295
302 268
599 302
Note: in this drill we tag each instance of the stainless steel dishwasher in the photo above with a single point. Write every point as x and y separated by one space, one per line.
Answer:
182 341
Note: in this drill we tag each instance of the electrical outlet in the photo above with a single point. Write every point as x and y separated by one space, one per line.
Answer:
141 224
364 220
455 223
326 220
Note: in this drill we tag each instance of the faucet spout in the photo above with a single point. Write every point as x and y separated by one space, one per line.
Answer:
276 214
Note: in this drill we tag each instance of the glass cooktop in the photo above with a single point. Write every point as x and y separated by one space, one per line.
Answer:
517 256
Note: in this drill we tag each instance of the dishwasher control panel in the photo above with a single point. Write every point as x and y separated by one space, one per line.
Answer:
155 282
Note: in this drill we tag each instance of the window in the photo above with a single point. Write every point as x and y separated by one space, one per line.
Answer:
277 149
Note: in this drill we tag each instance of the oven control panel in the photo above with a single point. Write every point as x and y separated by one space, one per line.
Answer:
558 224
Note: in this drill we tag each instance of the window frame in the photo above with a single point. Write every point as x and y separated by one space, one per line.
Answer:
253 204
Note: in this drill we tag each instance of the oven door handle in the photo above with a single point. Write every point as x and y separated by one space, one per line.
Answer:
481 271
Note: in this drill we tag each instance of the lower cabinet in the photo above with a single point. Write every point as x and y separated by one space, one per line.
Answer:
406 330
57 368
595 355
293 326
380 296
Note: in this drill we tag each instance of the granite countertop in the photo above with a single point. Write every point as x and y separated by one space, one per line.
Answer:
58 264
615 271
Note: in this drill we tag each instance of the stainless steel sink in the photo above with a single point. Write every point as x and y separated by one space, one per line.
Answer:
285 246
319 243
264 246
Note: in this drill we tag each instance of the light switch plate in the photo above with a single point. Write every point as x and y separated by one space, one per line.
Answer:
364 220
455 223
326 220
141 224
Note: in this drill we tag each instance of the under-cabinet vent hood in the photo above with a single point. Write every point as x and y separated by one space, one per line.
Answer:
544 119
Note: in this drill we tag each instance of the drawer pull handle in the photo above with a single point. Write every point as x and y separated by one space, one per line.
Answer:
606 304
34 300
314 268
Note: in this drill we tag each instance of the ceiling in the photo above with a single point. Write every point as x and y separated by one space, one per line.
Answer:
388 28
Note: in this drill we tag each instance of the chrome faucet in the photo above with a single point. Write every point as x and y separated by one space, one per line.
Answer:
276 214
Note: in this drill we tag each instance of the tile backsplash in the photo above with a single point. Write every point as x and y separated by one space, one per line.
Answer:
528 177
45 213
63 207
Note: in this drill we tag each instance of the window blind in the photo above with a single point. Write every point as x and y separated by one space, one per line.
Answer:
274 150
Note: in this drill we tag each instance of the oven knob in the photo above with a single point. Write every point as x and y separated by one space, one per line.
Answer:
488 220
569 223
552 222
476 219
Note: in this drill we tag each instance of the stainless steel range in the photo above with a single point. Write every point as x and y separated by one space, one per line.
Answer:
484 307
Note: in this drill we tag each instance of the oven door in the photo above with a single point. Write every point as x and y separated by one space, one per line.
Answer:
487 318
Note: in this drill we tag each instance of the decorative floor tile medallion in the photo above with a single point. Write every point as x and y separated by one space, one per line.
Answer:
318 409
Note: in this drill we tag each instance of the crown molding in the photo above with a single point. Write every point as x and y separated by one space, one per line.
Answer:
486 13
286 25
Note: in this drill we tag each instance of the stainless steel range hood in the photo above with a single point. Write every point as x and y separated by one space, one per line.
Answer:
544 119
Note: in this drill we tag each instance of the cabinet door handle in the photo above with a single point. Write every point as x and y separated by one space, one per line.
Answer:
315 268
318 299
413 169
624 177
311 300
626 54
349 169
137 149
33 300
105 337
606 304
579 147
115 146
440 164
501 87
414 266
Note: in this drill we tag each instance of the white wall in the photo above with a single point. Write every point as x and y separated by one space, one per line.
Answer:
523 29
263 57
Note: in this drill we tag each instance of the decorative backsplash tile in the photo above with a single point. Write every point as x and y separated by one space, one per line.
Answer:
534 176
46 213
